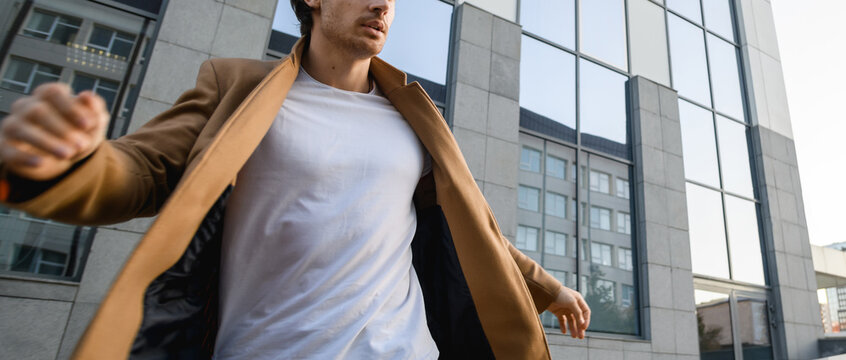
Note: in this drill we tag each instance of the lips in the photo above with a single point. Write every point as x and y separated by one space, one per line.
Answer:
375 25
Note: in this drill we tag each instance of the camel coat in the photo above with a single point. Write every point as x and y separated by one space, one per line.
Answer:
180 164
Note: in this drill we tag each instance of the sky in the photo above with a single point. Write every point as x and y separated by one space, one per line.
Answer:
811 43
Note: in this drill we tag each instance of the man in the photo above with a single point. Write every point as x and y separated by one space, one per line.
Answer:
320 163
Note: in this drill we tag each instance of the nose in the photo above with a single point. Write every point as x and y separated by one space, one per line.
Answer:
380 7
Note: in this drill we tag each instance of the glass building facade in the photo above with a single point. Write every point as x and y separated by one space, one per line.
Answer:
96 47
625 145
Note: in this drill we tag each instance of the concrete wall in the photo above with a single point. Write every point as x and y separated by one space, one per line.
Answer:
483 106
662 229
762 66
791 268
788 249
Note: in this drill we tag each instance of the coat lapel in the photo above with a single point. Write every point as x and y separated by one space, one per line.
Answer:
119 315
496 284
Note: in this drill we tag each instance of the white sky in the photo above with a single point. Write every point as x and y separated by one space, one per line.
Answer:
811 37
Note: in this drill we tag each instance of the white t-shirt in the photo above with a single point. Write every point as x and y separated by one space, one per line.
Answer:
316 257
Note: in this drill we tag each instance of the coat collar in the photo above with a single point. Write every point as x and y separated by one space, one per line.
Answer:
387 77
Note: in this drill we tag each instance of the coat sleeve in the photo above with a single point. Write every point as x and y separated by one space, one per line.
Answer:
128 177
543 287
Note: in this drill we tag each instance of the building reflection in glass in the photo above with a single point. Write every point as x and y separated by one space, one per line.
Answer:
89 46
550 179
713 320
41 247
753 326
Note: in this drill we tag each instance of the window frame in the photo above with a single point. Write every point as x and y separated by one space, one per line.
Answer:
112 38
28 86
57 20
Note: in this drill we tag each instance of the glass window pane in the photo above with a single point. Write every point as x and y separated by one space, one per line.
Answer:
40 24
687 8
548 82
19 70
622 188
718 17
527 238
602 111
605 262
81 83
555 244
745 244
734 157
552 20
555 167
121 48
755 337
100 37
687 55
421 53
44 74
556 204
699 147
647 34
530 159
42 247
528 198
707 232
603 31
713 319
725 77
64 34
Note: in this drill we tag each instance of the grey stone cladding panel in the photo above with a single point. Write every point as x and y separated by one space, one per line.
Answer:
241 34
32 329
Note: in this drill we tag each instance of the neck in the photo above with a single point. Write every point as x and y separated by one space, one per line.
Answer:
336 68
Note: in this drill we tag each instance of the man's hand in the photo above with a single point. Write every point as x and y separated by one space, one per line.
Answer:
572 312
48 132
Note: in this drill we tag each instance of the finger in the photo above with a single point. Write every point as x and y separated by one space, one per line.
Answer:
96 108
37 137
562 323
585 312
61 98
574 331
49 119
15 157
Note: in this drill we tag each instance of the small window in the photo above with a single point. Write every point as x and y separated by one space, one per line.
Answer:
624 259
555 167
600 253
530 160
627 296
599 182
105 88
25 75
555 243
111 41
624 223
52 27
527 238
573 172
600 218
622 188
528 198
556 205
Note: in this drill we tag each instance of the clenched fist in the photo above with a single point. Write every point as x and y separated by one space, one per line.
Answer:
47 132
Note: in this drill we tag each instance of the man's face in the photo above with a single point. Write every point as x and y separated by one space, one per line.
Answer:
358 26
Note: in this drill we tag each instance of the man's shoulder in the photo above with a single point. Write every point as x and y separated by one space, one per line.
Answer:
233 71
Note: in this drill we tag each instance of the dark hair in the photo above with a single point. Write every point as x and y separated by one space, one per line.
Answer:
303 12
